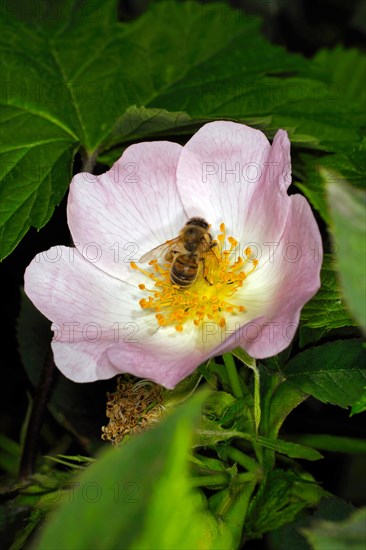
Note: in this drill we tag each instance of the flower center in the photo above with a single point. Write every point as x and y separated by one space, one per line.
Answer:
220 274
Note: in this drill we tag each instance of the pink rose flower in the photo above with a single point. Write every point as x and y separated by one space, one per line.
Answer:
113 314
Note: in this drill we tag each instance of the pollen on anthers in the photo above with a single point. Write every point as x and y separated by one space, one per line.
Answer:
195 278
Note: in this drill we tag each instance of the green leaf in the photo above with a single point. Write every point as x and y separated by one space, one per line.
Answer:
235 513
198 75
66 83
284 400
250 362
329 508
315 172
360 405
347 206
207 464
214 373
70 461
288 536
346 70
81 80
277 502
9 455
327 309
335 443
209 433
241 354
349 534
293 450
309 335
182 391
218 403
240 416
73 68
140 484
23 535
350 166
333 508
312 182
34 174
51 87
225 411
139 122
333 373
317 117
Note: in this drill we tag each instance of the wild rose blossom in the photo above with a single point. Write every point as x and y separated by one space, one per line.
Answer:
112 314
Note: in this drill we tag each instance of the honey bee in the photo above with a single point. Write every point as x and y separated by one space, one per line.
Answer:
186 253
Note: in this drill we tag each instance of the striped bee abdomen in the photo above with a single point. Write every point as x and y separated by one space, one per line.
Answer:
184 270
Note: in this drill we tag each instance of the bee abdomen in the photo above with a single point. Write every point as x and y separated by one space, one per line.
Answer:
184 270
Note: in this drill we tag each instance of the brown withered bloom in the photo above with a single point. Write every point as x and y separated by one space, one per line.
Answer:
132 408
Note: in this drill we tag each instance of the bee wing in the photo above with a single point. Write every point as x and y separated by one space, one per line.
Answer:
159 251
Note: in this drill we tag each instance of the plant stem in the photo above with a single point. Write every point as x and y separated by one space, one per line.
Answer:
247 477
211 480
258 449
240 458
89 162
235 517
234 378
251 363
257 397
40 400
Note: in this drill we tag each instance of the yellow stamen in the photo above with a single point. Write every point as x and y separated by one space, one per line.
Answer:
212 297
233 241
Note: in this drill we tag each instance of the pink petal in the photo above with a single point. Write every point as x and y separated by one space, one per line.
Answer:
99 327
84 361
81 300
269 205
252 199
286 283
116 217
165 365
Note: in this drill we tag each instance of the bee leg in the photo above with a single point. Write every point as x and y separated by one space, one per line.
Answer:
204 271
214 249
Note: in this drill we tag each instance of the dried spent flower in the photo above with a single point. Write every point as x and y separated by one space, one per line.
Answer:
132 408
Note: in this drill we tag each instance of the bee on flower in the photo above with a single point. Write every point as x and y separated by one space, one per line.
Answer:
199 250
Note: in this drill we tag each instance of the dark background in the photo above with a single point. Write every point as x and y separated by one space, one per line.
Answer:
303 26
